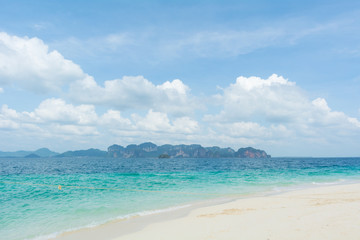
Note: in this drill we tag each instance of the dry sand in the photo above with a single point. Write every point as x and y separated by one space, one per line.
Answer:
331 212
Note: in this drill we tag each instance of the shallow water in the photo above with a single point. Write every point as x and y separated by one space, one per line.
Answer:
96 190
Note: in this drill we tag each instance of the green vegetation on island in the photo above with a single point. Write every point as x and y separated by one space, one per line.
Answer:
182 151
84 153
148 150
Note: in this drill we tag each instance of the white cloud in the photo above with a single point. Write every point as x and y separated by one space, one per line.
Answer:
6 123
186 125
154 121
11 120
160 122
272 100
253 110
69 131
135 93
28 63
54 118
114 118
252 83
157 127
265 111
323 116
56 110
6 111
243 129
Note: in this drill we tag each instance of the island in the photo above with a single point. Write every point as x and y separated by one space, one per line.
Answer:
149 149
84 153
146 150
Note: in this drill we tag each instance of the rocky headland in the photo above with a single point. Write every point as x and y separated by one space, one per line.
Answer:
182 151
148 150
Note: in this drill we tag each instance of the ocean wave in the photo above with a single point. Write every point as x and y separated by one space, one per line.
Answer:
336 182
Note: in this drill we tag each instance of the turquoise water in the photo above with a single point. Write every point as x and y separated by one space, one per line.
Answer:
96 190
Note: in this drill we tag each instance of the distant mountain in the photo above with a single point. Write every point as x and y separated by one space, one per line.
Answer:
15 154
45 152
150 150
182 151
250 152
32 155
42 152
84 153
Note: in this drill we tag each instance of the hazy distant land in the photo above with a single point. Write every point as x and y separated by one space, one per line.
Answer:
148 150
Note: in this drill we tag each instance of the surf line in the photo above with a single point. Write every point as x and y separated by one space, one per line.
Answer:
60 187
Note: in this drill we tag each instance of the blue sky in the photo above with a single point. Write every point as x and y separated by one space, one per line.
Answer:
278 75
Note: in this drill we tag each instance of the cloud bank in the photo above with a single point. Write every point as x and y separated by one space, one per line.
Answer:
277 112
54 118
272 113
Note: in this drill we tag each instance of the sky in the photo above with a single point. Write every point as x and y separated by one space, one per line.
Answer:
282 76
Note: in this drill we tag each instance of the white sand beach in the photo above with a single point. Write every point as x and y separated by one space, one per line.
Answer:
327 212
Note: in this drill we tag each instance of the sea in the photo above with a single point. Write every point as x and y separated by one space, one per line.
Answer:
41 198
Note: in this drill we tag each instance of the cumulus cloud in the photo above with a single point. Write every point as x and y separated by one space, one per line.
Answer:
154 126
160 122
6 118
135 93
275 109
274 100
52 116
115 119
253 111
56 110
28 63
56 118
322 115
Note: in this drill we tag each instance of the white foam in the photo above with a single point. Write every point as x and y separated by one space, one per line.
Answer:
170 209
45 237
336 182
122 217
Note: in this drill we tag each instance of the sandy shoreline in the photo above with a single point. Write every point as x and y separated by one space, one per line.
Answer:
328 212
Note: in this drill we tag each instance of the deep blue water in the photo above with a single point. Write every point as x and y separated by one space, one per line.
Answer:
96 190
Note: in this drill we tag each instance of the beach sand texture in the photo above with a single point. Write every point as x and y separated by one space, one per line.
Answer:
327 212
